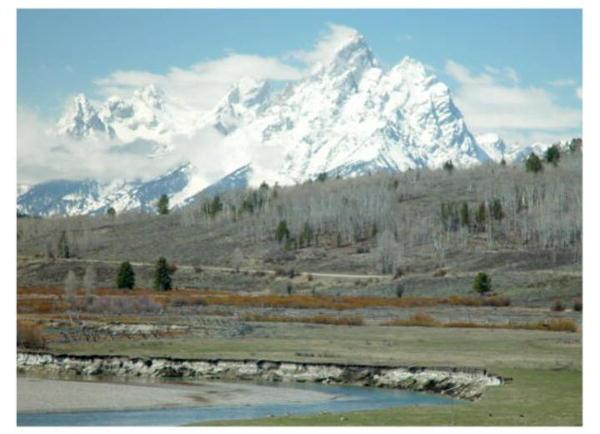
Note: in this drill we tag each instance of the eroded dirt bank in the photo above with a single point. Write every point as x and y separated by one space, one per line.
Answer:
464 383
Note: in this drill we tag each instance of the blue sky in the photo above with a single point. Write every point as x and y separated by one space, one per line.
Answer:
516 73
61 52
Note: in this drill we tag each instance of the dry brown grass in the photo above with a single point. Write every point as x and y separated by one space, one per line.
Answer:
424 320
30 335
419 319
354 320
31 301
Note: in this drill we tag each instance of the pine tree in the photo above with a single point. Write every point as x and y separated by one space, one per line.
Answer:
449 166
552 155
533 164
465 218
63 246
482 283
496 211
282 233
163 205
126 276
162 275
481 216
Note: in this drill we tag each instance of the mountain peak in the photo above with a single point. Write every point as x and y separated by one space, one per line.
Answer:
151 95
81 119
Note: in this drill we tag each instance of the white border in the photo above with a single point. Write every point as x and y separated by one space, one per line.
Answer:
591 76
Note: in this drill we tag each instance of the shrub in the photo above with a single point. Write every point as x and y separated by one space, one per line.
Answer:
440 272
398 273
399 290
557 306
309 277
561 325
419 319
111 212
362 249
126 276
533 163
162 275
289 288
578 305
482 283
30 336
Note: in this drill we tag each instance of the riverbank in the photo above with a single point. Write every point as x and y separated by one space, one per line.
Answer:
464 383
51 395
534 398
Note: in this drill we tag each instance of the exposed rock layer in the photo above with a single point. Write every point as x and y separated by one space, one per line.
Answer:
464 383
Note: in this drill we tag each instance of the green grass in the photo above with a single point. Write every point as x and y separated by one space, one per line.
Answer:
493 349
545 366
533 398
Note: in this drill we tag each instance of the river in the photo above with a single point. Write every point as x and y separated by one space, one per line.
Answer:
51 402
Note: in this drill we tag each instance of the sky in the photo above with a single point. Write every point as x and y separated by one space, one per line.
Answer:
513 72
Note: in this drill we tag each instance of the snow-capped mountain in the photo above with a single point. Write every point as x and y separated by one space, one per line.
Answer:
495 147
242 104
89 196
347 117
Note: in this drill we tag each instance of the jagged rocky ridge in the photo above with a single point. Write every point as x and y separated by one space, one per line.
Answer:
347 117
464 383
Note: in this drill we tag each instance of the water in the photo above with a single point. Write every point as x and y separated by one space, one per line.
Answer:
348 398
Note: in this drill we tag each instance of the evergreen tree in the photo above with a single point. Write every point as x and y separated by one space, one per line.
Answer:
111 212
126 276
216 206
162 275
465 217
449 166
496 211
552 155
322 177
482 283
282 233
481 216
63 246
306 236
533 163
163 205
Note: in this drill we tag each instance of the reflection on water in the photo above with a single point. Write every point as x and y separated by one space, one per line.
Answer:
348 398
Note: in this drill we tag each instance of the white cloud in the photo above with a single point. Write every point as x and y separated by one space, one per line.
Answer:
579 93
42 156
203 84
326 47
489 104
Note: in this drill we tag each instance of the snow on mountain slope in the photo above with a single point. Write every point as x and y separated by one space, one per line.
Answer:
494 146
67 197
239 106
349 116
351 113
81 119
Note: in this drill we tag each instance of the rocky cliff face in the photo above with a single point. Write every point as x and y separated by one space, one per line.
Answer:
464 383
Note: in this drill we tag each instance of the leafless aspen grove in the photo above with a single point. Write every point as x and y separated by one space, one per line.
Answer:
433 211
